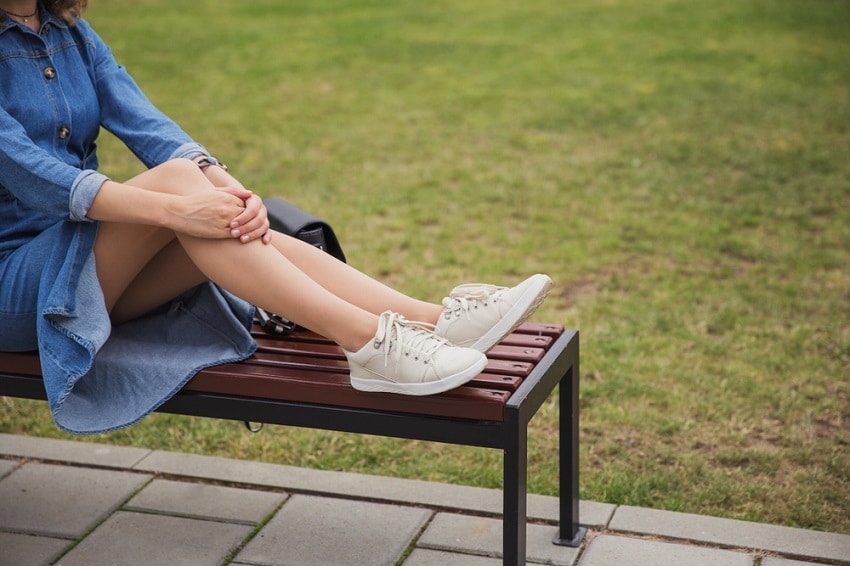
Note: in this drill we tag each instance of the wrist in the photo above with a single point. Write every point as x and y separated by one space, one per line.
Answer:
169 213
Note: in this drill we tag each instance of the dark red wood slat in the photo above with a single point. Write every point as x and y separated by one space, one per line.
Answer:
293 360
509 367
541 328
334 389
516 353
20 363
528 340
288 345
524 332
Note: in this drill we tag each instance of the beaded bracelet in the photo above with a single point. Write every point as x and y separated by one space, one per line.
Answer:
205 162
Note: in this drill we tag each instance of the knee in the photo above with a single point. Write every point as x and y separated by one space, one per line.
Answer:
177 176
185 169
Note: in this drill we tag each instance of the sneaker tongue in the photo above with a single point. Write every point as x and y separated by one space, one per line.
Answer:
395 331
474 291
389 329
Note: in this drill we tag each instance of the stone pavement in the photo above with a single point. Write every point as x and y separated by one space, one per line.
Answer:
74 503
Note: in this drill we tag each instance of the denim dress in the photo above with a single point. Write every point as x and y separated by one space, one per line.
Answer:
58 87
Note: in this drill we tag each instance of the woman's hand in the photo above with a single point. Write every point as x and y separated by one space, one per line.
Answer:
252 222
206 214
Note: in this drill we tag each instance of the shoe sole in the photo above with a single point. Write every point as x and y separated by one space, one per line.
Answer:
528 302
379 385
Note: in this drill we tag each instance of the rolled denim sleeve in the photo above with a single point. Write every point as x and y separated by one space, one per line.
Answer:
83 191
189 151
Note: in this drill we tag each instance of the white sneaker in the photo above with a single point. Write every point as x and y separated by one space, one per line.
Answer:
478 316
408 358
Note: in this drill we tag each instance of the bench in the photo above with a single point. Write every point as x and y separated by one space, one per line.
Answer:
302 380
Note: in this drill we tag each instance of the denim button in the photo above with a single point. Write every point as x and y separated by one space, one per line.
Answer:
50 73
64 132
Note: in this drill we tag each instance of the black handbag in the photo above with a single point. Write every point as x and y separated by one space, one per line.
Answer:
288 219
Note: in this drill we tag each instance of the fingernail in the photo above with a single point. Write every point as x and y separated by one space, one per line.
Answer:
235 232
245 238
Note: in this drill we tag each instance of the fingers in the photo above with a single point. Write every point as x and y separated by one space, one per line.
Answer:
204 214
238 191
252 223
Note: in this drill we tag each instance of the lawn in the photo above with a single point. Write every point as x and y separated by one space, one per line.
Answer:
681 168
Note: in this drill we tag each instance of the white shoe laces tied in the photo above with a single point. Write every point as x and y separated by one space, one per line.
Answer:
468 296
416 338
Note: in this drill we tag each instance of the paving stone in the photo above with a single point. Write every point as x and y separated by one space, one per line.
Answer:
607 550
483 535
86 453
6 467
425 557
222 469
30 550
547 508
729 532
62 501
374 488
771 561
205 501
142 538
318 531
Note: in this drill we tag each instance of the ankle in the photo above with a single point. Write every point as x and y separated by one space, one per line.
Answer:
429 313
359 335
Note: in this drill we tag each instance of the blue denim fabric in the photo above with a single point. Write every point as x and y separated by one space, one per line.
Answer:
57 88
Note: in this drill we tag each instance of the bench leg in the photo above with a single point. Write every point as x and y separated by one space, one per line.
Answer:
514 506
570 533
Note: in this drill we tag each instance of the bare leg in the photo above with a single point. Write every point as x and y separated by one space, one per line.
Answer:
121 252
352 285
149 289
258 273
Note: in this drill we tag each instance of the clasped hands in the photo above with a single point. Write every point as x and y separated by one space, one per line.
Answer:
251 222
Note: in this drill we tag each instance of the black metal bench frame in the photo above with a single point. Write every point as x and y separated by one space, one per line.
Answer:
559 367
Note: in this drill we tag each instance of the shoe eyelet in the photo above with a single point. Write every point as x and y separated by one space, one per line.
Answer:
376 345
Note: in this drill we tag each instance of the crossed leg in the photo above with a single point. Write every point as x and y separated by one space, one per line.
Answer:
141 267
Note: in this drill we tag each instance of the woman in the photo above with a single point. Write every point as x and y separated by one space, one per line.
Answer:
127 289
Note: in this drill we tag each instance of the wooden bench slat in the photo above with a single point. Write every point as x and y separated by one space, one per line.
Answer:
527 340
291 345
21 363
527 330
335 389
490 378
517 363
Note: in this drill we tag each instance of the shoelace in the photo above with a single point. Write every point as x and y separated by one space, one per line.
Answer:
464 297
410 336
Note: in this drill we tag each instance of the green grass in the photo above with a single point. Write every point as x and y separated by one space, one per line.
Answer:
680 168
